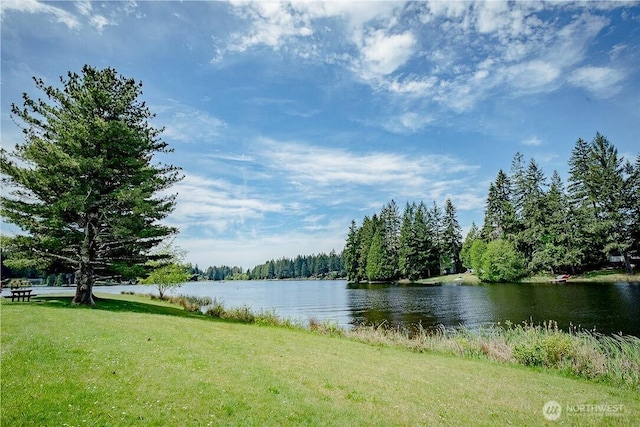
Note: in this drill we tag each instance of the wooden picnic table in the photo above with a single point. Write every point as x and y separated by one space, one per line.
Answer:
21 295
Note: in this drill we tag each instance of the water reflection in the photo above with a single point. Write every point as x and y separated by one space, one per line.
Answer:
607 308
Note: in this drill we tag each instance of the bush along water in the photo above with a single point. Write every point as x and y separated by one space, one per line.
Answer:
581 353
190 303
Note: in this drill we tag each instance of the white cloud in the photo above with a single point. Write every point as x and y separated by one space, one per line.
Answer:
532 76
448 9
382 53
99 22
467 201
516 49
271 25
215 204
602 82
416 86
33 6
290 25
534 141
84 7
493 15
335 175
232 157
408 123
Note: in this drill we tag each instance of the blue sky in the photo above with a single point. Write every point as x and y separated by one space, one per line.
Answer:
292 119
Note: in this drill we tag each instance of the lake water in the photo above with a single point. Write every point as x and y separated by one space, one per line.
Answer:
607 307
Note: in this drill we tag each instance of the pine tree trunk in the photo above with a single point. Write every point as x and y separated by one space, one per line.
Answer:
84 286
84 275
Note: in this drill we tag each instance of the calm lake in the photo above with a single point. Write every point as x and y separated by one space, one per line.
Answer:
607 307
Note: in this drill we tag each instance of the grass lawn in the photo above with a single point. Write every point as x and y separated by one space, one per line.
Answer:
132 361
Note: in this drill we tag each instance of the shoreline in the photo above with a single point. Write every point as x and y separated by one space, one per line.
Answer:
595 276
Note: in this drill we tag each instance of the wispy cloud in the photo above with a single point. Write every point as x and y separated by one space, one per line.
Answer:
602 82
184 123
216 204
34 6
96 20
408 123
534 141
86 15
330 172
517 49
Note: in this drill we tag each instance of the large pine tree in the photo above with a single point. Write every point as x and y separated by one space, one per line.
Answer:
85 188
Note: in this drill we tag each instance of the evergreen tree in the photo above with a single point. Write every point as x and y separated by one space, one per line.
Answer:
609 188
451 237
378 268
365 237
600 198
534 215
390 231
426 260
518 183
500 218
581 209
465 251
87 193
407 240
634 205
554 251
434 228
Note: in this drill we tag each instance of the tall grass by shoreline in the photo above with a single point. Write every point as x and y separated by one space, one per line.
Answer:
580 353
613 359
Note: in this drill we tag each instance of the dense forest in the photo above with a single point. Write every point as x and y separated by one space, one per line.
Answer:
423 242
324 266
532 224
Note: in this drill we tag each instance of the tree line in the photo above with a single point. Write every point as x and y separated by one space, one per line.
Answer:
326 266
533 224
423 242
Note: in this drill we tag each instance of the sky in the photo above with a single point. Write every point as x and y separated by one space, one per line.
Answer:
290 120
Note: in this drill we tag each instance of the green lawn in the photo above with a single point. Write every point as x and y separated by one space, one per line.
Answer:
132 361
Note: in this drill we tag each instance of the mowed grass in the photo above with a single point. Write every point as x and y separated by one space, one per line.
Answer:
132 361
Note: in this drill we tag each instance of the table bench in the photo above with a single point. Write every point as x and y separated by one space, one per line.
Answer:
20 295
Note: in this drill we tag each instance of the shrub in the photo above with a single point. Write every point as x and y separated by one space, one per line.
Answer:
190 302
501 262
241 314
529 353
475 254
325 328
216 309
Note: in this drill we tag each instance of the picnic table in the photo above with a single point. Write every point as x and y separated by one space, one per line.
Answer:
21 295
